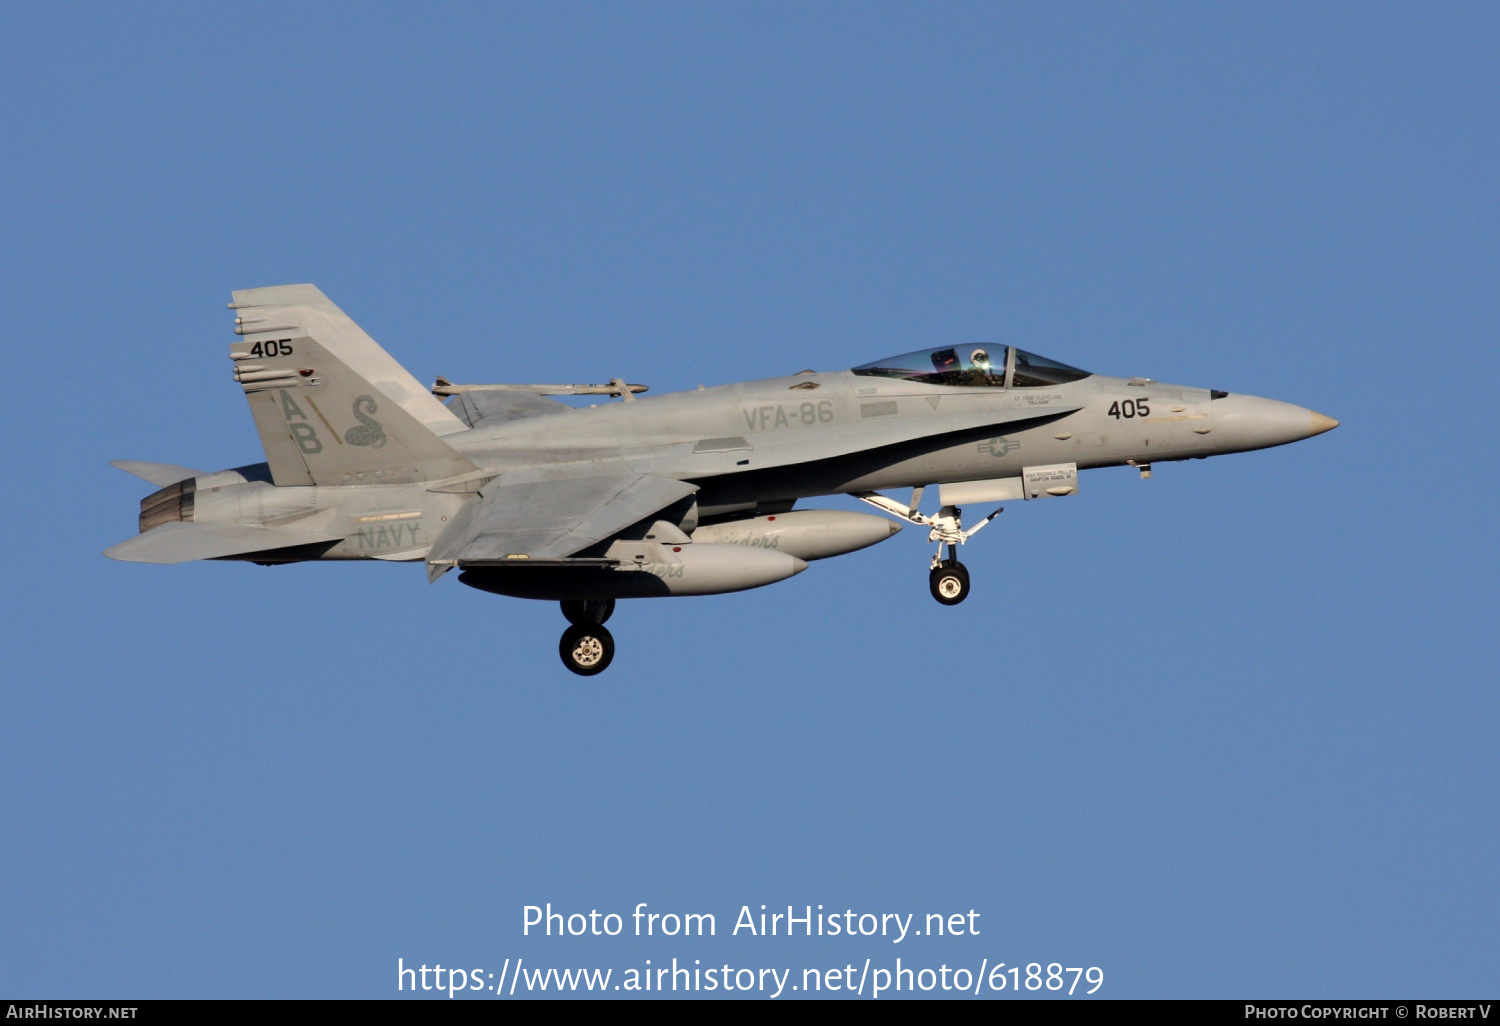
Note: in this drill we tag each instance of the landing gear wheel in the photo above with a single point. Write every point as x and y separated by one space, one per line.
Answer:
950 582
586 648
586 611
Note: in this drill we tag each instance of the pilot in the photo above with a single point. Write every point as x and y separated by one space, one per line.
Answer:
982 374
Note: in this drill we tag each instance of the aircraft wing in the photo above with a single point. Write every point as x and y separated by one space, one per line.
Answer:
179 542
550 519
485 408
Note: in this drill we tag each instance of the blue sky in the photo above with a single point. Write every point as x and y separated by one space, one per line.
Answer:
1227 732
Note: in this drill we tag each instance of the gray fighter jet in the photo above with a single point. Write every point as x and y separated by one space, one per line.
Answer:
692 493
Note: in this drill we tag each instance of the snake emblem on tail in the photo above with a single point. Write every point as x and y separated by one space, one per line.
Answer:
369 432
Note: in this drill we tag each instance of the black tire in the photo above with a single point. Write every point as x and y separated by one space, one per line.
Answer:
950 583
586 649
584 611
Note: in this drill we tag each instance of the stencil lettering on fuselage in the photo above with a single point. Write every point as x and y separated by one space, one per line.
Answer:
780 415
385 538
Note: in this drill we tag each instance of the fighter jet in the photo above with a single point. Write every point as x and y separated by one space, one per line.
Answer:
691 493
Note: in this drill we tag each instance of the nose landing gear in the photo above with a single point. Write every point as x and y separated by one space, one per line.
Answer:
949 579
586 647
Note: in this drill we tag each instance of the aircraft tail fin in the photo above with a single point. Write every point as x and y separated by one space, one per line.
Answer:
331 406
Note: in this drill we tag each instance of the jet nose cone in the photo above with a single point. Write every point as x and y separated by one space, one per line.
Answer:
1321 423
1243 422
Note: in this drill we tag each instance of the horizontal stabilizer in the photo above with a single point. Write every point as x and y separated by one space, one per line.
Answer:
159 474
179 542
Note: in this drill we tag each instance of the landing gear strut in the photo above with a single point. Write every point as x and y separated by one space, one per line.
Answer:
949 578
586 647
588 610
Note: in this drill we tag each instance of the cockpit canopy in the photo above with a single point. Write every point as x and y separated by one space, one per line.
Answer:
974 366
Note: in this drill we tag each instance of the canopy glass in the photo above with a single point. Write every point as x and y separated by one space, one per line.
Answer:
973 367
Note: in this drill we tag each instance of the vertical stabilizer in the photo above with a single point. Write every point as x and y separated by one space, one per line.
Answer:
330 405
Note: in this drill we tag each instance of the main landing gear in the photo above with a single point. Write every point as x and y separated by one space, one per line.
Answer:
586 647
949 579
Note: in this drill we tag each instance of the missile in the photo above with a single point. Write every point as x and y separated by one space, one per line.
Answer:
806 533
